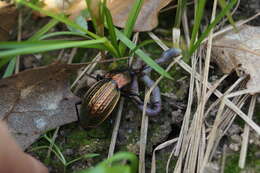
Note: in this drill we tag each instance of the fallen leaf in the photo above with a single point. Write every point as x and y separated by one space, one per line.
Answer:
9 12
146 21
37 100
240 51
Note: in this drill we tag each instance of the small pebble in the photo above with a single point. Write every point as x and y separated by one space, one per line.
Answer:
234 147
236 138
257 154
234 129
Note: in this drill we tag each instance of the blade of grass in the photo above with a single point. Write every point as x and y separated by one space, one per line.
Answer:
211 26
5 60
199 11
179 12
122 156
111 27
85 156
52 150
70 23
142 55
94 8
44 29
10 68
62 33
223 4
115 165
53 46
57 149
25 44
142 44
129 26
38 34
58 17
81 21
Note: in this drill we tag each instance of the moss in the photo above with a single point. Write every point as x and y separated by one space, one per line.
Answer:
173 86
257 114
161 160
49 57
251 161
77 137
231 165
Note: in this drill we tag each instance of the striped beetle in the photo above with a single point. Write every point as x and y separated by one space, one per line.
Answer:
101 99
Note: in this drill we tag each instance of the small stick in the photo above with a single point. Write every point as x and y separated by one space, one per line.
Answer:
115 130
19 36
243 152
223 161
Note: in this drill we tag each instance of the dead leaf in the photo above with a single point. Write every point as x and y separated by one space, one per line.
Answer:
147 19
9 12
241 52
37 100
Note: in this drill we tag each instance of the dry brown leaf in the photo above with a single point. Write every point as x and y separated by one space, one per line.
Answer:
10 14
147 19
241 52
37 100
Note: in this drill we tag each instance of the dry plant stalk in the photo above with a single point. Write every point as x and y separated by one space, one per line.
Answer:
228 111
243 152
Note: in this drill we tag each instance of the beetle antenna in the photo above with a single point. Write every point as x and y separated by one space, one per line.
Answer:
166 56
77 110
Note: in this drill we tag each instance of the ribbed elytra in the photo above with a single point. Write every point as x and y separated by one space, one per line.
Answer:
99 102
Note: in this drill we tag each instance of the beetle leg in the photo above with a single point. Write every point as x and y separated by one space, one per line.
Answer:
156 104
155 107
166 56
77 110
99 77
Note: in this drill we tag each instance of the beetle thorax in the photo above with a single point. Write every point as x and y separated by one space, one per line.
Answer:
121 79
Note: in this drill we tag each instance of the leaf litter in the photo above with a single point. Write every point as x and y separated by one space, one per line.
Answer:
240 51
146 21
7 11
37 100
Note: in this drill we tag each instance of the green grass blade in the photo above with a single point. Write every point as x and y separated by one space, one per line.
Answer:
58 17
85 156
114 164
52 46
97 16
24 44
129 26
5 60
57 150
70 23
142 55
81 21
111 27
63 33
51 149
179 12
123 156
199 11
223 4
12 60
212 25
10 68
44 30
142 44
